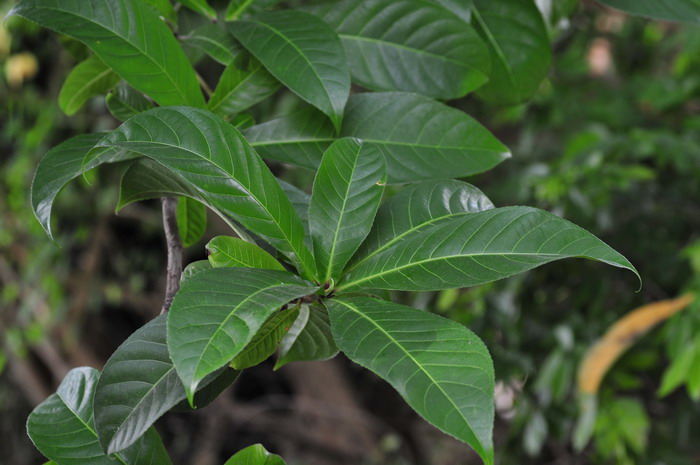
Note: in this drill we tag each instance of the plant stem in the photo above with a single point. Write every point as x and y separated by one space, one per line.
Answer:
174 243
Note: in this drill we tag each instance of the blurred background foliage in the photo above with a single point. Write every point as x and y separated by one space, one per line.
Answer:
611 142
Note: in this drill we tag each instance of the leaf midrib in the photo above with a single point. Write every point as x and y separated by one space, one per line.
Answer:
496 46
240 84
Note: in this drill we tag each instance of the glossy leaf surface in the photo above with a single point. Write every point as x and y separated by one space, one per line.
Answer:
438 366
408 45
303 53
194 268
62 428
214 159
217 313
215 41
89 78
255 455
687 11
125 101
191 220
518 41
309 338
476 248
164 8
346 194
226 251
200 6
266 339
129 37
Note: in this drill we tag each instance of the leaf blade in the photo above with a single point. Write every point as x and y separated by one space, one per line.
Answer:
89 78
309 338
226 251
191 219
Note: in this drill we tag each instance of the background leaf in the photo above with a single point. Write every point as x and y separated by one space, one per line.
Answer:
215 41
125 101
687 11
255 455
129 37
165 8
303 53
191 220
226 251
438 366
89 78
309 338
201 7
266 339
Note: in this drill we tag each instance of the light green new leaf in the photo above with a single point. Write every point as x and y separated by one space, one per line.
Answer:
191 220
218 312
408 45
475 248
417 205
438 366
201 7
62 428
129 37
255 455
266 339
126 102
243 83
212 157
309 338
346 194
89 78
226 251
194 268
518 40
138 385
420 138
686 11
215 41
303 53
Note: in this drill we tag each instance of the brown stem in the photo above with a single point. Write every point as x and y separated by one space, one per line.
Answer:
172 238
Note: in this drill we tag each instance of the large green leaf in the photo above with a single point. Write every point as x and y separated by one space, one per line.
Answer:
226 251
408 45
200 6
303 53
243 83
420 138
194 268
461 8
191 220
215 41
518 40
475 248
300 200
146 179
165 9
217 313
438 366
91 77
62 428
213 158
129 37
309 338
255 455
266 340
138 385
238 9
125 102
346 194
687 11
417 205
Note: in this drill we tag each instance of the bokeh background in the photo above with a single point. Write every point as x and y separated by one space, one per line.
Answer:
611 142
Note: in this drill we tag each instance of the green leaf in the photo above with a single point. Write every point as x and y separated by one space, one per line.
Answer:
303 53
346 194
461 8
61 165
194 268
518 40
237 9
191 220
309 338
475 248
686 11
165 8
62 428
408 45
255 455
146 179
129 37
201 7
266 339
139 384
420 138
215 41
126 102
226 251
213 158
243 83
217 313
417 205
438 366
91 77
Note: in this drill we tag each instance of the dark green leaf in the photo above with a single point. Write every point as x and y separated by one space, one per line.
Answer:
408 45
438 366
217 313
146 179
62 428
237 9
213 158
346 194
309 338
126 101
461 8
194 268
303 53
225 251
191 220
201 7
266 339
255 455
518 40
475 248
165 9
91 77
215 41
129 37
687 11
